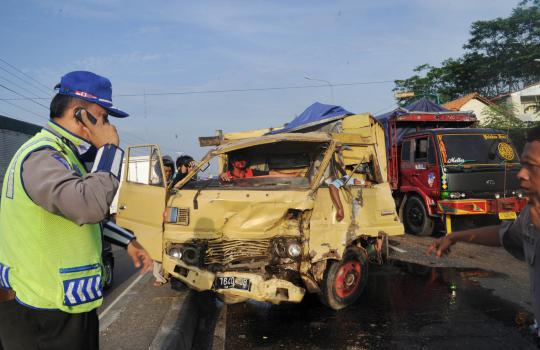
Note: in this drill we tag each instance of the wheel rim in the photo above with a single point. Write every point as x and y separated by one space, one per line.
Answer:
108 272
416 217
348 278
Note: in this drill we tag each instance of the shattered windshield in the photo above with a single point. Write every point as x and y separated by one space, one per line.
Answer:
279 164
476 149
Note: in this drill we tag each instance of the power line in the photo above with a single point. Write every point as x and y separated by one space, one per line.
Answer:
27 98
47 89
17 85
24 109
199 92
252 89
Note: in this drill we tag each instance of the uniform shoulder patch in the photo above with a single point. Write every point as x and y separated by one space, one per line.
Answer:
62 160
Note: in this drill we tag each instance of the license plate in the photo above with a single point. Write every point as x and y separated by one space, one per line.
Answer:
507 215
230 282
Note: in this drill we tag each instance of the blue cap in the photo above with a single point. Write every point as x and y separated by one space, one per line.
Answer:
90 87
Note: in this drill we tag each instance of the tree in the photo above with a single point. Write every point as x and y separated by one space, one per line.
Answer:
503 116
499 58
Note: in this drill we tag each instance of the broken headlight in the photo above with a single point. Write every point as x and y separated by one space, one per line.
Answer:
190 254
287 248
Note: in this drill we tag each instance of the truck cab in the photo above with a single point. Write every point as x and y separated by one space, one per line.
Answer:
456 173
270 237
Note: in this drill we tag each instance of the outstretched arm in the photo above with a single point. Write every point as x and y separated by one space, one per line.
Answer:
488 236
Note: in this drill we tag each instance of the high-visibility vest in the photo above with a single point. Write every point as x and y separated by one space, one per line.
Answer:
49 261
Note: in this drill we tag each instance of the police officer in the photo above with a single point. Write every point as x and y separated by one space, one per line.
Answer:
521 238
50 232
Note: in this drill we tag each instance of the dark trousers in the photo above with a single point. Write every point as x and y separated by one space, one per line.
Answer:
25 328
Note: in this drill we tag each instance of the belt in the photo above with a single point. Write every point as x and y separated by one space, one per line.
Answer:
6 294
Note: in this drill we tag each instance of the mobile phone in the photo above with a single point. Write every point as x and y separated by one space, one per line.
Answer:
89 115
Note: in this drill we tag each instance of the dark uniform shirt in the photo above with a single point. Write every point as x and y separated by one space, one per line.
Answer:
521 239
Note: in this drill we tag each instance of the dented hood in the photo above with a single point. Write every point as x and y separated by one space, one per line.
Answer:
242 214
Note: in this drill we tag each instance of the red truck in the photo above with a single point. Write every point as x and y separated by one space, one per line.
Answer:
443 170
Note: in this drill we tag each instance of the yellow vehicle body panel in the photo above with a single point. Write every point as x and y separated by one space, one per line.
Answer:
246 230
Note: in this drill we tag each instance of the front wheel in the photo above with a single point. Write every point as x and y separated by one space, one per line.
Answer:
108 272
345 280
416 218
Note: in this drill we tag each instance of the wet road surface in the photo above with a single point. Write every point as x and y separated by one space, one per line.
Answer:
404 306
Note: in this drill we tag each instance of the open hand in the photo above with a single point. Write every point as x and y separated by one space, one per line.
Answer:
224 177
140 256
440 247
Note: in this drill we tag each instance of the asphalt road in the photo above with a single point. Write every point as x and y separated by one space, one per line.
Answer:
124 273
478 298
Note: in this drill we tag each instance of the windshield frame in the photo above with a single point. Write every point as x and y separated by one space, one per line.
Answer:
501 137
217 152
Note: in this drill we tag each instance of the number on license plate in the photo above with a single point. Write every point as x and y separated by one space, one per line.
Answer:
229 282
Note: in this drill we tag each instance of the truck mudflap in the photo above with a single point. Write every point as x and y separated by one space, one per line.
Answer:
239 284
496 206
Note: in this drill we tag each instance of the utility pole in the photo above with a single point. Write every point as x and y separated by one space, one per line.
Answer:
324 81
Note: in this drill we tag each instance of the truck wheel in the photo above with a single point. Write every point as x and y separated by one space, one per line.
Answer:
345 280
108 272
178 285
416 219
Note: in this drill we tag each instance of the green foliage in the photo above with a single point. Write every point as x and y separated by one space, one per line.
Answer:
502 116
499 58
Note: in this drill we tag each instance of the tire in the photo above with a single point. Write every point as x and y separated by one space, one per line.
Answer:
178 285
345 280
108 272
416 218
385 250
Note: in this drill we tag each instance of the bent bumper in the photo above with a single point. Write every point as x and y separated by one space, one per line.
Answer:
481 206
272 290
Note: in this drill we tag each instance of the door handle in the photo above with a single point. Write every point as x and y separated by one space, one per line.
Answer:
122 207
415 174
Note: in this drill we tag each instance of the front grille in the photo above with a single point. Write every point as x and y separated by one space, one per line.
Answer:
183 216
227 252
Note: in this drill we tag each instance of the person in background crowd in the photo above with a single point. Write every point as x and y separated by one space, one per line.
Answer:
50 232
184 164
240 170
168 168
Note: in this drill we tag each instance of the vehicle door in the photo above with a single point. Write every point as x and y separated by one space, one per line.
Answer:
406 164
425 171
142 196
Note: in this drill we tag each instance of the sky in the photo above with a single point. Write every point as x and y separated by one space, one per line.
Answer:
173 64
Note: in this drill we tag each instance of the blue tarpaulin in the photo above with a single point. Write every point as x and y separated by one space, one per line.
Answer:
316 114
423 105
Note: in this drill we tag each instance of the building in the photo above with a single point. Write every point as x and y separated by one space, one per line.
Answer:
526 102
472 102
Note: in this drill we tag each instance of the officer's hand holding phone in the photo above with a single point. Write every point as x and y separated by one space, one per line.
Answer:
100 132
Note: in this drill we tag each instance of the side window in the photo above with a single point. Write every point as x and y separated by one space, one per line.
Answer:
421 150
406 151
431 155
144 166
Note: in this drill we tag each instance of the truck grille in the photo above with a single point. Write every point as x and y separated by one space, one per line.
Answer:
227 252
183 216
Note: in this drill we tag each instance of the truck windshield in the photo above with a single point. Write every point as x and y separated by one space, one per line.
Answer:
279 164
476 149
